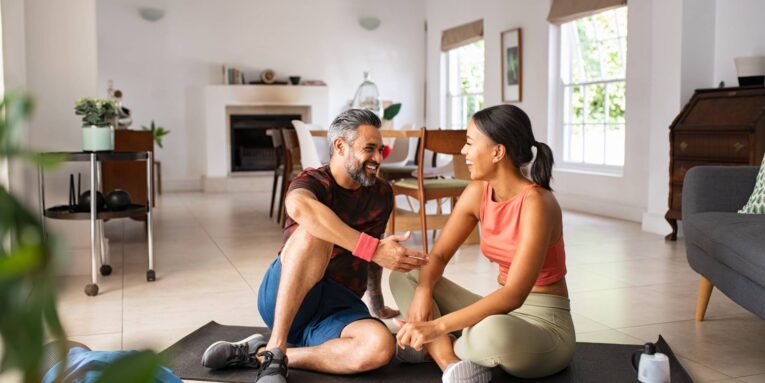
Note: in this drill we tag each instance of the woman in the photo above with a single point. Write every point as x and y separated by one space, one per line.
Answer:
525 325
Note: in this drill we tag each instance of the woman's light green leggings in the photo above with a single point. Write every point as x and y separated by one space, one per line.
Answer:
532 341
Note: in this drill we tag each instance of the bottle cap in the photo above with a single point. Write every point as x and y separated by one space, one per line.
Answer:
649 348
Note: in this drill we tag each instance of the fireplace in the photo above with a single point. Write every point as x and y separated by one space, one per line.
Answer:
251 146
222 171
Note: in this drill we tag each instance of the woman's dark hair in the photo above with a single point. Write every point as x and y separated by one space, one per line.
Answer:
508 125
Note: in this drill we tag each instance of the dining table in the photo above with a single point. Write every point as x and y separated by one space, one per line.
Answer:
386 133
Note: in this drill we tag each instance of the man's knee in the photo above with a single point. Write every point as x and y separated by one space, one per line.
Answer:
302 239
376 351
375 346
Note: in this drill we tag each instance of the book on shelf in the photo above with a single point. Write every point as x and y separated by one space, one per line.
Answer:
232 76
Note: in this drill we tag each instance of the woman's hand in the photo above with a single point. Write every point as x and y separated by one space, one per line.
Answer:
417 334
421 308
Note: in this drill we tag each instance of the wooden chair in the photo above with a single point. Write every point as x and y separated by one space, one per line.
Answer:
439 142
291 166
279 153
395 166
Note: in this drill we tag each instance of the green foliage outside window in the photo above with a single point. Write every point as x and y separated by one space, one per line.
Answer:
593 74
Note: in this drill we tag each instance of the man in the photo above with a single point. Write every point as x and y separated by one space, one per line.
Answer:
311 295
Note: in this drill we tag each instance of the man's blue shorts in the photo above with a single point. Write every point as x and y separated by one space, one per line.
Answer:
326 310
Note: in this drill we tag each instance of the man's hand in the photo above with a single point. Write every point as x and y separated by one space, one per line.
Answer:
391 255
417 334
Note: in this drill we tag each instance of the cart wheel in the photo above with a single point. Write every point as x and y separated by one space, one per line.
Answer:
150 276
106 270
91 290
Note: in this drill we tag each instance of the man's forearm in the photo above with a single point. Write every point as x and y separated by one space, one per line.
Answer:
321 222
374 289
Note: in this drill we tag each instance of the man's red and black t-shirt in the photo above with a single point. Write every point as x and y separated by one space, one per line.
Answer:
365 209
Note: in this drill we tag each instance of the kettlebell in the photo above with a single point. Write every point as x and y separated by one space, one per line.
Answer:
118 200
84 201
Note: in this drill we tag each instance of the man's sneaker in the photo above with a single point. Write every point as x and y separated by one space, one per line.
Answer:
274 367
224 354
466 372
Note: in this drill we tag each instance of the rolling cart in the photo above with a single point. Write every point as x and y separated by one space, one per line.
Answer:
97 251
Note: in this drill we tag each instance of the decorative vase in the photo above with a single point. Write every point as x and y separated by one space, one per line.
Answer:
97 138
368 97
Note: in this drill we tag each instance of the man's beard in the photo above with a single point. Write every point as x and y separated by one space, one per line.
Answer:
358 172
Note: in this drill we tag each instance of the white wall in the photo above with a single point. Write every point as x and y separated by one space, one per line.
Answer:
698 48
623 197
498 16
739 31
14 73
61 67
664 104
674 47
162 66
49 51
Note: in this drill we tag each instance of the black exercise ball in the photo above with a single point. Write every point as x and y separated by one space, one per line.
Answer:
84 201
118 200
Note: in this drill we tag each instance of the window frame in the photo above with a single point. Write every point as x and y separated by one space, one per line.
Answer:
558 128
448 96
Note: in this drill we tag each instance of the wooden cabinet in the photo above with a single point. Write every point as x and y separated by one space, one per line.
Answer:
128 175
724 126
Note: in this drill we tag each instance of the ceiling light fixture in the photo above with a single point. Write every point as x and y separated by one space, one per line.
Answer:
151 14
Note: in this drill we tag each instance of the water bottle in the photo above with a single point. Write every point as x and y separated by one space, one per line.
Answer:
651 366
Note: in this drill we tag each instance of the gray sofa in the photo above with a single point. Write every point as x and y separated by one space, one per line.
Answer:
726 248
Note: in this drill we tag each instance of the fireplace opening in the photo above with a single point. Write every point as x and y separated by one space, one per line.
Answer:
251 148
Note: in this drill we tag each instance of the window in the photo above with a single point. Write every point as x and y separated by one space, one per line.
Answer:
464 83
591 126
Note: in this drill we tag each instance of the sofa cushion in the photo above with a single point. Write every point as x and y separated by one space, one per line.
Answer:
756 203
736 240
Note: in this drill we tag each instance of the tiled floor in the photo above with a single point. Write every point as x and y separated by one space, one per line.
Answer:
627 286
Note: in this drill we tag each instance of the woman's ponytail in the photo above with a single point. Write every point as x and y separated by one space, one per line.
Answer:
541 168
508 125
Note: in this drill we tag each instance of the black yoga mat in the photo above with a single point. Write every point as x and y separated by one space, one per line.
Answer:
593 362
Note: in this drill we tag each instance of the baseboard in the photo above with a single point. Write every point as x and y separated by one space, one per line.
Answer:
655 223
255 183
182 185
597 207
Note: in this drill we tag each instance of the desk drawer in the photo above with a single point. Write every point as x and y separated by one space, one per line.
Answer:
720 147
679 168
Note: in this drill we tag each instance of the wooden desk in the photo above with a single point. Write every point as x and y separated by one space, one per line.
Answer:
129 175
386 133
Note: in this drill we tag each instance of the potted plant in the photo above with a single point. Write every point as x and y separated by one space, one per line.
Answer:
98 116
389 113
157 131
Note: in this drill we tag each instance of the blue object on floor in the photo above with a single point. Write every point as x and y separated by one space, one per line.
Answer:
85 366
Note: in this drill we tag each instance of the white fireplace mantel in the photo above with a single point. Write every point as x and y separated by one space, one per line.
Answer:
219 98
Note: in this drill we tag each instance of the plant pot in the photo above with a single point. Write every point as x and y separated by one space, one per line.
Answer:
97 139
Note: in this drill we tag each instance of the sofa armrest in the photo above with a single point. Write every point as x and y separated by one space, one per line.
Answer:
717 188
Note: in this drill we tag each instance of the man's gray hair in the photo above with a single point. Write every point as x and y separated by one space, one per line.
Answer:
344 126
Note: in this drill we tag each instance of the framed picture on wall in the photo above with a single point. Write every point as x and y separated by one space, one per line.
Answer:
511 65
